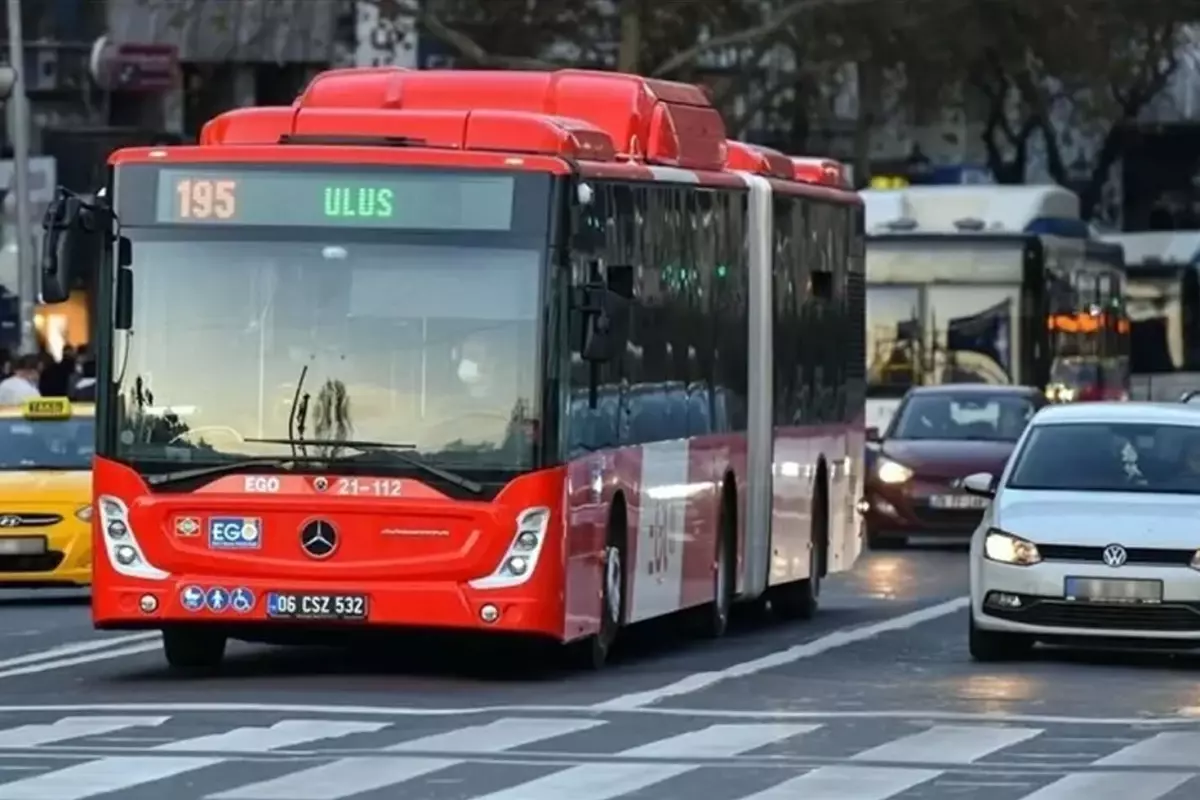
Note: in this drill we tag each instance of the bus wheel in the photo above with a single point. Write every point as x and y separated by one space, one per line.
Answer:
593 652
716 614
193 649
800 599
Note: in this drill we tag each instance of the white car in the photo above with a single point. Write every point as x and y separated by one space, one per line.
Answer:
1092 533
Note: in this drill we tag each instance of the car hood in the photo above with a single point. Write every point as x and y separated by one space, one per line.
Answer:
1133 519
948 458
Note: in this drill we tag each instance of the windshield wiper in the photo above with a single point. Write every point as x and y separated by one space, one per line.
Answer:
211 470
297 414
392 450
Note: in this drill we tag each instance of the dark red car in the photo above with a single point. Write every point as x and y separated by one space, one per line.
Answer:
938 436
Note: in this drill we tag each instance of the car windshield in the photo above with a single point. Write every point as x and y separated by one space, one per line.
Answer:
46 444
973 416
353 337
1110 457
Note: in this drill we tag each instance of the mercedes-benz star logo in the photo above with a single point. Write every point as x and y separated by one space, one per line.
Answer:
319 538
10 521
1115 555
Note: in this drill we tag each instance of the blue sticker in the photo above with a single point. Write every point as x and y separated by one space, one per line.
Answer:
192 598
235 533
217 599
242 600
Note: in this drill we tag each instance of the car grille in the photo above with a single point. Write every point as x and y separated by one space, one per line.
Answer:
42 562
957 518
12 520
1177 617
1134 555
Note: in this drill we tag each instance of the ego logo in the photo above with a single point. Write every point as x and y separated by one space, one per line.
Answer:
235 533
263 484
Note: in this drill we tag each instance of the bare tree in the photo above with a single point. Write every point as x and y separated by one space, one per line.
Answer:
1047 72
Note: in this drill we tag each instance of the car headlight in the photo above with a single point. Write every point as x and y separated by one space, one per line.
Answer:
1008 549
890 471
84 514
1195 560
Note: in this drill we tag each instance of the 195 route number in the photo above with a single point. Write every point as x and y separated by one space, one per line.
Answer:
288 605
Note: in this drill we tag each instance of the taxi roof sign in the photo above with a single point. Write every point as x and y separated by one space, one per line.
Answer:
47 408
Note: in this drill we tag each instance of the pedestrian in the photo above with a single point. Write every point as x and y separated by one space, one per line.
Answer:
22 384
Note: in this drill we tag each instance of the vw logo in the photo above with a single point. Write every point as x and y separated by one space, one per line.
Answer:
10 521
1115 555
319 538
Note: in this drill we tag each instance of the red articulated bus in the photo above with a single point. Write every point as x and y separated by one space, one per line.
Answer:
521 352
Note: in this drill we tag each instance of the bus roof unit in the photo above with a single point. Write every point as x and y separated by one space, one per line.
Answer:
759 160
578 114
1152 248
974 209
821 171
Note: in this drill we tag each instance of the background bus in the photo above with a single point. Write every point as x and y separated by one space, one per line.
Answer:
1163 298
967 284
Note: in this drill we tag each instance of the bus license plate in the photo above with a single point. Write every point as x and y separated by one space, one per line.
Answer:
303 605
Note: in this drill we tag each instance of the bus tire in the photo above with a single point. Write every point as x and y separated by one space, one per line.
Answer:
715 621
800 599
592 653
193 649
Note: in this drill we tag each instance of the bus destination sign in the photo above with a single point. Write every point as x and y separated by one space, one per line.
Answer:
303 197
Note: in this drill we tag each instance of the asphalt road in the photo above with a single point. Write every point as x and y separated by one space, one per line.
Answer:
875 700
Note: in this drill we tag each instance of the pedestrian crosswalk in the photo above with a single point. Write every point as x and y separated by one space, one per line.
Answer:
586 757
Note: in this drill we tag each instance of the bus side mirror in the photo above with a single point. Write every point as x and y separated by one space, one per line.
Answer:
605 305
61 225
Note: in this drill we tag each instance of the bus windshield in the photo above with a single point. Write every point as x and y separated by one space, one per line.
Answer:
348 336
925 335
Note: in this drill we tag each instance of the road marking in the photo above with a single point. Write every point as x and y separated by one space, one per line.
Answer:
398 712
608 781
947 744
831 641
1176 749
87 658
350 776
849 783
71 728
718 741
119 773
1111 786
75 648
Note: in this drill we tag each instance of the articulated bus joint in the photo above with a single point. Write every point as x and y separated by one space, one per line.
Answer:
521 557
121 545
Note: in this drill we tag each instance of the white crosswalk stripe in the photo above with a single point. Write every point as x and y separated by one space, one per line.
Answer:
350 776
609 781
312 759
118 773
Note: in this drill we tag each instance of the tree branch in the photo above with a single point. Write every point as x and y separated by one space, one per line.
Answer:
469 49
766 29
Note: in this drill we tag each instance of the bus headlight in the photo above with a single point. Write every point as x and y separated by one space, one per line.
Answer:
121 545
521 557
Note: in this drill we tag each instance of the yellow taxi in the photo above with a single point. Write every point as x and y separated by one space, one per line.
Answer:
46 447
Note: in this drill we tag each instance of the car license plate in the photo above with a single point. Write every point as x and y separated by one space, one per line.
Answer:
22 545
1108 590
957 501
303 605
